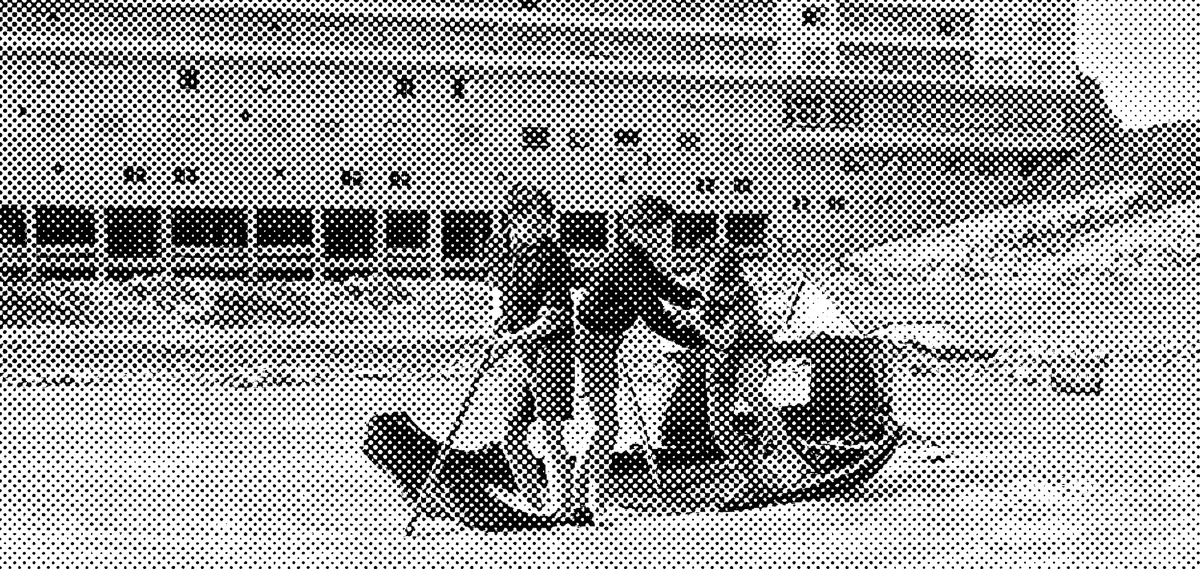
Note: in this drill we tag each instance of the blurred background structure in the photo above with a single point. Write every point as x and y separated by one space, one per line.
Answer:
332 140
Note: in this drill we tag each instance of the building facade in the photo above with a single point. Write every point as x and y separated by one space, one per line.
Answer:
339 139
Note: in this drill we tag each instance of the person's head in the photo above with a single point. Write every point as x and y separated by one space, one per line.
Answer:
530 214
648 223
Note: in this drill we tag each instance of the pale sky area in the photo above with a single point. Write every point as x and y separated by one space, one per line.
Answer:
1144 54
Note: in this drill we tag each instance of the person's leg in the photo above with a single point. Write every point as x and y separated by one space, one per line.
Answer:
521 461
722 401
778 460
740 471
771 430
553 393
598 356
558 471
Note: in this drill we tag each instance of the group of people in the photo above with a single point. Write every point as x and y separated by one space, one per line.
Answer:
539 317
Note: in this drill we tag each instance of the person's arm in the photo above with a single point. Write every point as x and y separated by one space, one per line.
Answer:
549 320
555 314
556 301
663 286
492 254
663 323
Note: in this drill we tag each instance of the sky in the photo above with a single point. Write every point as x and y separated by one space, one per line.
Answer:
1144 55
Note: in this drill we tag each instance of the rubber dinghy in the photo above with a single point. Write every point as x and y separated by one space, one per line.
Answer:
844 433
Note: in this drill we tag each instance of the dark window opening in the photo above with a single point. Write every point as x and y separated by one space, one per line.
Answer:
846 112
67 273
464 233
133 232
953 161
65 225
804 112
989 163
535 137
13 228
405 86
285 227
904 60
464 273
746 229
410 273
742 185
1031 163
129 273
209 227
689 140
406 229
956 23
349 233
285 274
693 230
812 16
628 137
13 273
888 18
214 273
584 230
343 275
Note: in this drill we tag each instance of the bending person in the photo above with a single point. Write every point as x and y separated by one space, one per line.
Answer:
626 286
732 324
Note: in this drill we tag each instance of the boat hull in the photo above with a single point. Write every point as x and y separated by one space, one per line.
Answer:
687 481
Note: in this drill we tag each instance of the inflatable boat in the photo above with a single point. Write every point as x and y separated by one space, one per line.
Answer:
845 434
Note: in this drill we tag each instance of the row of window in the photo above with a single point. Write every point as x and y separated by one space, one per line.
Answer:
257 25
438 33
545 41
816 110
903 60
906 19
346 233
1023 163
900 62
17 273
828 107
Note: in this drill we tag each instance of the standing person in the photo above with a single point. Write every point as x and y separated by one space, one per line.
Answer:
534 275
625 287
732 324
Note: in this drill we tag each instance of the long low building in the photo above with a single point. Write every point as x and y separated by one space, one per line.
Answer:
240 141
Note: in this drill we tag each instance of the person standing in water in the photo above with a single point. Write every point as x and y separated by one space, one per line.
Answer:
626 286
534 275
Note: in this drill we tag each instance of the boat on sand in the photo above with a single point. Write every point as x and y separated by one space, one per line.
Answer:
844 434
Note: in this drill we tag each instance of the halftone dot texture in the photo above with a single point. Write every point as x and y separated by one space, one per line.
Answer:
248 255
